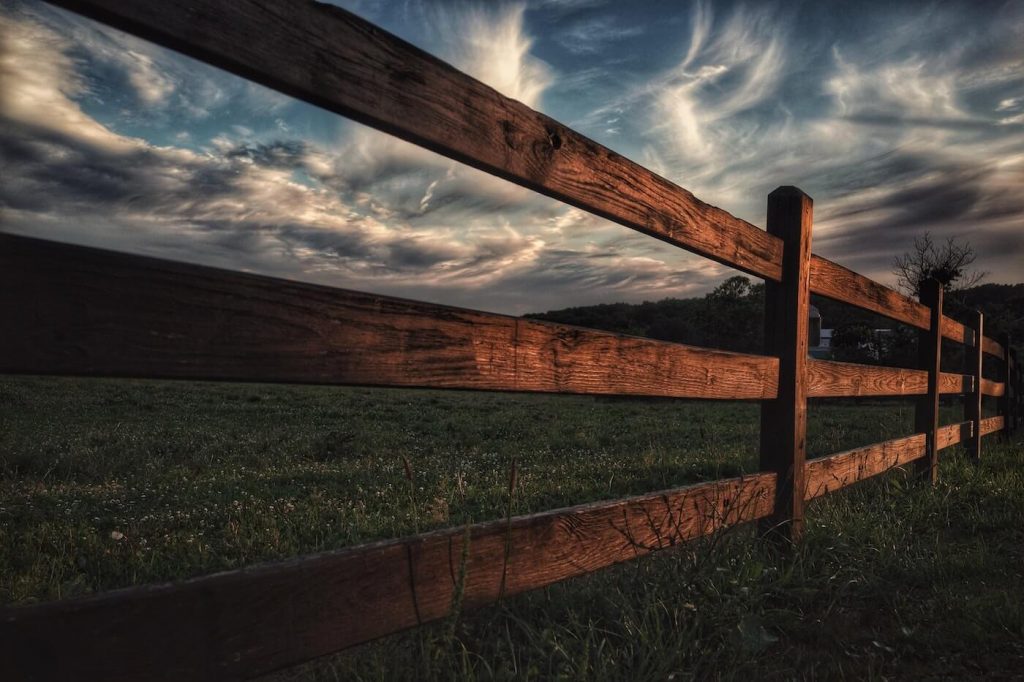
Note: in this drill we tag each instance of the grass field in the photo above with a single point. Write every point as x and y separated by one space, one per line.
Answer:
108 483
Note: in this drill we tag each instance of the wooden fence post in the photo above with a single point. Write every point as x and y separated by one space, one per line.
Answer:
787 304
1019 393
1006 376
929 357
973 357
1015 401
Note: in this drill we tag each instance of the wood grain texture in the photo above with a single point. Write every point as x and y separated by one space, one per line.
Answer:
955 331
955 383
993 348
333 59
964 431
783 435
828 474
75 310
831 379
929 359
972 401
993 388
842 284
247 622
992 425
952 434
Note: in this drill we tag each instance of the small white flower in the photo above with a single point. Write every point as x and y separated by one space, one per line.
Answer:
116 535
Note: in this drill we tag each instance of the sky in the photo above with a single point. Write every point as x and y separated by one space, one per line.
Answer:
896 117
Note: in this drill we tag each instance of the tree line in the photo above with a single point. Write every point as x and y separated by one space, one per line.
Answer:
731 317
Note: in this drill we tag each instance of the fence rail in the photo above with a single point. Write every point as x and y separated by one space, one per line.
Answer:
82 311
110 314
114 314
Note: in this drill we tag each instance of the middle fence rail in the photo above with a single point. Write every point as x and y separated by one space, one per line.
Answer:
72 310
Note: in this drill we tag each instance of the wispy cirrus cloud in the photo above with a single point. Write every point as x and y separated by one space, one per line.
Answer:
366 211
593 35
892 136
494 47
111 141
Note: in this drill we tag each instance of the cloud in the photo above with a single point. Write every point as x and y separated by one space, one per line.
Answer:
39 82
912 89
565 7
110 141
493 47
907 132
368 211
152 86
371 213
590 36
700 103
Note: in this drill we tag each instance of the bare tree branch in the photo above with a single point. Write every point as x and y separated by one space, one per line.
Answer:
948 263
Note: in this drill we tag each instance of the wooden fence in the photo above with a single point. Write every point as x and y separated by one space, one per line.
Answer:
80 311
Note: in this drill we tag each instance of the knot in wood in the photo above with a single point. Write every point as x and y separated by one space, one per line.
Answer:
554 139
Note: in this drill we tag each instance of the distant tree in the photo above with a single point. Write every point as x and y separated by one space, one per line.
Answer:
949 263
732 290
732 316
735 315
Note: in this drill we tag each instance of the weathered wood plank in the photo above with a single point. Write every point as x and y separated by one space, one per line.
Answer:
929 357
247 622
992 425
842 284
993 348
954 331
972 401
955 383
333 59
783 435
964 431
75 310
953 434
828 474
831 379
993 388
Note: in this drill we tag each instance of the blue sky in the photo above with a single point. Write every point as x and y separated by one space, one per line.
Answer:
896 117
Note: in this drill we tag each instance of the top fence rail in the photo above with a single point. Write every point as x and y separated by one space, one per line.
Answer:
332 58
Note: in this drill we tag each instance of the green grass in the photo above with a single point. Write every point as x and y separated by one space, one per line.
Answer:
111 483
